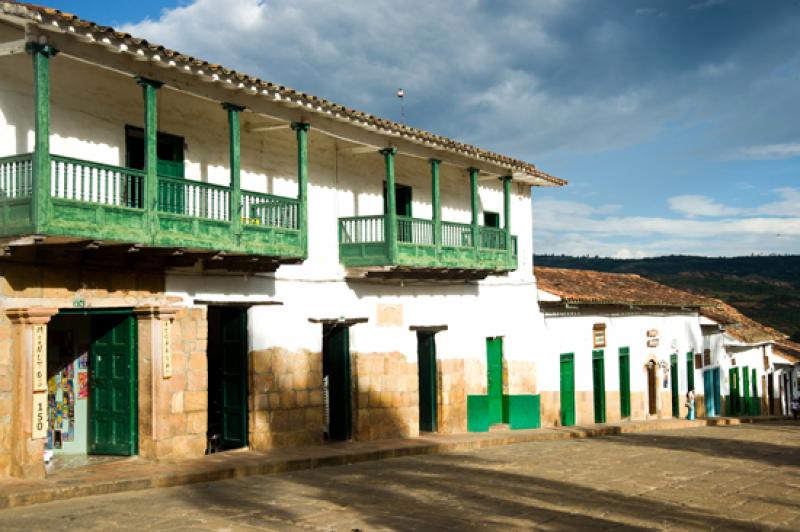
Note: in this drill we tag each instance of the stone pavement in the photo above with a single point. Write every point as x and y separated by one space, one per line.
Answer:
135 474
740 477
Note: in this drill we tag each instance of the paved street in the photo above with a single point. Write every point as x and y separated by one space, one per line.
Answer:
741 477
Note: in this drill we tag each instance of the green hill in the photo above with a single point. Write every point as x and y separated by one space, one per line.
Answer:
765 288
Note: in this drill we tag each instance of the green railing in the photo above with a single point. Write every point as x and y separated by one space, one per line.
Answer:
361 230
76 179
362 241
492 238
415 231
193 198
16 176
269 210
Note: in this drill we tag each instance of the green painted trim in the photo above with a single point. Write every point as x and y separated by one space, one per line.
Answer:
599 385
690 371
390 221
436 202
507 213
41 208
473 195
149 88
524 412
477 413
235 154
301 129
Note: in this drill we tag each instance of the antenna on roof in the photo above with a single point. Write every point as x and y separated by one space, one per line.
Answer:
401 94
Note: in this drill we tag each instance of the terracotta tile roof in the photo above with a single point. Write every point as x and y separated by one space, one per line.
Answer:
125 43
737 324
788 350
587 286
601 288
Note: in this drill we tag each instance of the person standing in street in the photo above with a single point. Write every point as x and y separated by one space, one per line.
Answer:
690 404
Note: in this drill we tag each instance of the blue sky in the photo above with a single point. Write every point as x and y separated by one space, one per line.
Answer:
676 122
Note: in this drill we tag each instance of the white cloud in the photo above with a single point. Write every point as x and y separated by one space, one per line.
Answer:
707 4
767 151
696 205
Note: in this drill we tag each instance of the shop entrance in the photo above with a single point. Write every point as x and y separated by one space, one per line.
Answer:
92 384
336 380
227 378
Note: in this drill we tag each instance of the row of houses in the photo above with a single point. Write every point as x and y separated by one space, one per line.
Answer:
193 260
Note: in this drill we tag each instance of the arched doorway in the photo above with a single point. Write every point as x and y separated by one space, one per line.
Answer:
652 389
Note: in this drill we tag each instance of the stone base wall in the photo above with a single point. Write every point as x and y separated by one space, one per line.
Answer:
521 377
452 396
550 408
386 399
6 395
285 400
180 403
639 405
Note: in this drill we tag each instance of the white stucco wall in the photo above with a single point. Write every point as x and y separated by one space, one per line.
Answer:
678 333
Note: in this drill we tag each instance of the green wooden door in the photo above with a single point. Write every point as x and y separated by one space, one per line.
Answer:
624 382
733 392
426 362
113 423
227 376
715 381
336 376
494 366
755 409
745 408
599 385
673 377
689 371
567 389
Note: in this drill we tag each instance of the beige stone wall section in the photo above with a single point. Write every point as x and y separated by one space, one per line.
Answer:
386 398
521 377
550 408
6 395
452 396
285 399
180 403
639 405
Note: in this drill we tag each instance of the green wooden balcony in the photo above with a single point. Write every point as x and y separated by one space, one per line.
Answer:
363 244
99 202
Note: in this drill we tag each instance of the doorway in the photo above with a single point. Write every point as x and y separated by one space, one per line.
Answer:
599 385
428 389
336 380
733 392
624 382
567 389
92 386
227 378
673 373
652 403
494 378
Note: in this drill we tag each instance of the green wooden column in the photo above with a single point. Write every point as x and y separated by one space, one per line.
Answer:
302 181
234 144
436 202
150 192
507 212
473 194
40 201
390 220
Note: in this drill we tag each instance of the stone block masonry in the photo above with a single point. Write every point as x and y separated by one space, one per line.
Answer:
386 402
285 399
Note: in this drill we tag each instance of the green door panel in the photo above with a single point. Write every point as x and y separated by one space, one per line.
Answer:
708 391
755 409
523 412
227 376
494 356
689 371
673 376
113 423
715 381
426 362
599 385
567 389
745 408
336 372
477 413
624 382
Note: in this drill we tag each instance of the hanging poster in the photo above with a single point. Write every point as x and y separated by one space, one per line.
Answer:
83 385
83 360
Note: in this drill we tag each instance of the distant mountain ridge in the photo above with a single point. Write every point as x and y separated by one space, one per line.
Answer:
764 288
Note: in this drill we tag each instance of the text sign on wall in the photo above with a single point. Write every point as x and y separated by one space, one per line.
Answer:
166 349
39 427
39 358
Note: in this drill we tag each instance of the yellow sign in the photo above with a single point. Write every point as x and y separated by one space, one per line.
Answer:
166 349
39 427
39 358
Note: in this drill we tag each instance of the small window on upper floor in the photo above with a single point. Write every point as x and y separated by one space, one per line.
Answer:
169 151
402 195
491 219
